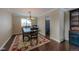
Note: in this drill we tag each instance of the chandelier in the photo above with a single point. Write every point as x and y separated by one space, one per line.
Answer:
30 17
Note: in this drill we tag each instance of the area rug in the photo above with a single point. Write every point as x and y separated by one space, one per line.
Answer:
19 45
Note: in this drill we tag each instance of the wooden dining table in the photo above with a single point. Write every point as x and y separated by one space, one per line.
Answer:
26 32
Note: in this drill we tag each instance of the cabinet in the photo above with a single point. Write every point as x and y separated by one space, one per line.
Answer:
74 27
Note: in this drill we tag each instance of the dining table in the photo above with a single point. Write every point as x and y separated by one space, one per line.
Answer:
27 31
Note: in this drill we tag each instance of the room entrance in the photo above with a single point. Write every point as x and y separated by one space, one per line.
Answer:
47 26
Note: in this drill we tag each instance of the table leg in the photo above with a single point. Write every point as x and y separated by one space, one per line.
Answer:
23 38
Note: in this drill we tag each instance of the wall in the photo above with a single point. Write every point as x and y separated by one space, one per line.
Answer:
41 24
56 24
61 25
5 26
17 23
66 25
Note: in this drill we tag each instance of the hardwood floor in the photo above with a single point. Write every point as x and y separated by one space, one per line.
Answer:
52 46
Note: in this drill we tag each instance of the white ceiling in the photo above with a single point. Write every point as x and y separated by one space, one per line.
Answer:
34 11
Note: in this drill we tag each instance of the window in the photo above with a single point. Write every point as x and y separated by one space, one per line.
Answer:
25 22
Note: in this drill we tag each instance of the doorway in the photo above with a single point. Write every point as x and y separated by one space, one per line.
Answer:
47 26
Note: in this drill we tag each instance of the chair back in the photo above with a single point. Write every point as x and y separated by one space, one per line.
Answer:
34 33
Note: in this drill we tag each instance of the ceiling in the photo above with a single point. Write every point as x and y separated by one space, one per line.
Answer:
34 11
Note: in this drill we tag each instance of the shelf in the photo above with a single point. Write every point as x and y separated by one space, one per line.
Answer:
74 27
74 15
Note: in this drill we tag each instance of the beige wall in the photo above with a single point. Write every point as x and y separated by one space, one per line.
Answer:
5 27
61 25
67 25
17 23
56 24
41 24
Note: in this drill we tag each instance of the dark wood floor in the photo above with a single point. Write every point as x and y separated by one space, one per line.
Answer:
52 46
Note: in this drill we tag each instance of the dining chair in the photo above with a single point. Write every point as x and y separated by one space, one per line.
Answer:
34 35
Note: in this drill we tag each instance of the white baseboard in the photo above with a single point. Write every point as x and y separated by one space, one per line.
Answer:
42 33
52 38
55 39
1 48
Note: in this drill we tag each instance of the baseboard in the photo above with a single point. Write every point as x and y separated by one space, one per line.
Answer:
2 47
17 34
52 38
42 33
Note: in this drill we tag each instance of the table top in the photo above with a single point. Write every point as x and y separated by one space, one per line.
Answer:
27 29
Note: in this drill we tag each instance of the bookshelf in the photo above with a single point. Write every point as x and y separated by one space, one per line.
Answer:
74 27
74 20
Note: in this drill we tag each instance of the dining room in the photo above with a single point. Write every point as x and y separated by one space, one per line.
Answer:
25 31
35 29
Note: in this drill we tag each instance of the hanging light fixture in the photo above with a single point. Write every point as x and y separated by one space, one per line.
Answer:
30 15
30 18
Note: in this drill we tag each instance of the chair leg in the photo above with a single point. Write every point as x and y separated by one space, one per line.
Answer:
30 39
31 42
36 41
23 38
